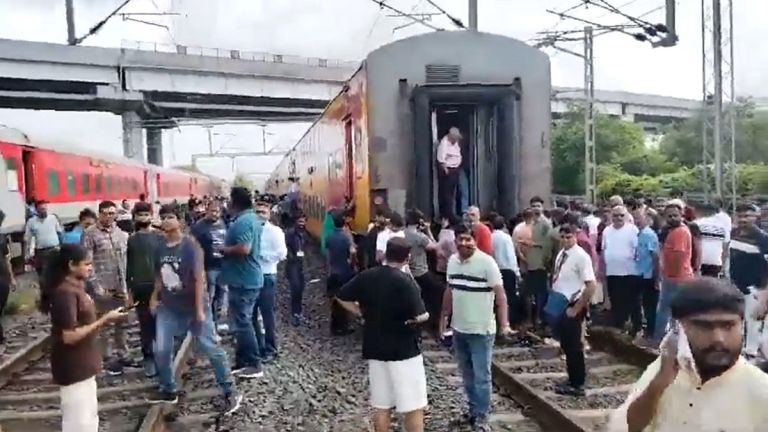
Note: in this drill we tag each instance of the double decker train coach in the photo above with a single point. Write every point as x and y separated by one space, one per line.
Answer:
376 141
71 180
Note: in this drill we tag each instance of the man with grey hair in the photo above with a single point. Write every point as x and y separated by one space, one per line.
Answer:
619 246
449 163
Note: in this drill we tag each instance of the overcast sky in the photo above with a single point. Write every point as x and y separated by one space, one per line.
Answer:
348 29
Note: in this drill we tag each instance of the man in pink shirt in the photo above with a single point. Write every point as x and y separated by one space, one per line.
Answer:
449 161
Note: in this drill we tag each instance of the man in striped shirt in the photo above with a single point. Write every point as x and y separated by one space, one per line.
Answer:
475 287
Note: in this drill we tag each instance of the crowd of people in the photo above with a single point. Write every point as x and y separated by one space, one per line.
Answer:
205 269
649 271
659 274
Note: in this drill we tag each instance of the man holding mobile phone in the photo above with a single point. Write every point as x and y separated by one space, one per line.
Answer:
719 390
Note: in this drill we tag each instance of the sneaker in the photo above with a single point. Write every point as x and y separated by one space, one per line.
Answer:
114 368
222 328
150 369
296 320
160 396
569 390
232 402
249 372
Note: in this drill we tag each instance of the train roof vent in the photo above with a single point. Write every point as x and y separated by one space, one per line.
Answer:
439 74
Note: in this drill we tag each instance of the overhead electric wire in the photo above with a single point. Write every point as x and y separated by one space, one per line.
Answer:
603 4
457 22
424 22
101 23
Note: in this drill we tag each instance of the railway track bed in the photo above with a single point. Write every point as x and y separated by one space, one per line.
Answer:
530 374
29 400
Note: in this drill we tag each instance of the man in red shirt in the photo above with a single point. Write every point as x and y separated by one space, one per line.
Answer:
481 232
676 253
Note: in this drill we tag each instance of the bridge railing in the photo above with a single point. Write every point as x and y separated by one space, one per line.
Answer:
237 54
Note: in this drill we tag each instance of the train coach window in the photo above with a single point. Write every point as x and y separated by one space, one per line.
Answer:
108 188
53 183
99 183
12 179
71 186
86 180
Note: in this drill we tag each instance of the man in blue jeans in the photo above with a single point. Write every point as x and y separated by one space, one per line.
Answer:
180 304
475 288
241 272
272 250
210 232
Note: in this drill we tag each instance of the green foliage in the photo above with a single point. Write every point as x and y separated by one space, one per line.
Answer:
627 166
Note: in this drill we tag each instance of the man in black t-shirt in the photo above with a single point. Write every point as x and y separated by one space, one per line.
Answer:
389 301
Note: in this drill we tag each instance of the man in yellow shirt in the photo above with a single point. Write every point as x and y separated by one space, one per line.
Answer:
718 390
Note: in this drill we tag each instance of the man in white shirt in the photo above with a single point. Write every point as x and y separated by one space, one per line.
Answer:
394 229
41 236
619 244
506 257
715 236
573 277
449 161
712 387
272 251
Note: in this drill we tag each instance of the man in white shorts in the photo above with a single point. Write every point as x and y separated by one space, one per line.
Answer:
391 305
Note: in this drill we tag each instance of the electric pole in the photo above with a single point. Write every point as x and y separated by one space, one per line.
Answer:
473 15
70 10
590 162
717 129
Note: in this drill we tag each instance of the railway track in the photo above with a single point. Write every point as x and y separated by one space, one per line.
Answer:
529 374
29 401
524 376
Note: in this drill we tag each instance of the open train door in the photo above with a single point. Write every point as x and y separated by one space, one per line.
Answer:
493 136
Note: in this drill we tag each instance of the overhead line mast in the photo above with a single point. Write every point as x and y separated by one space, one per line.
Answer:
665 35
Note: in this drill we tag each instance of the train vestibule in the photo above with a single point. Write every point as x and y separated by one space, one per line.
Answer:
471 156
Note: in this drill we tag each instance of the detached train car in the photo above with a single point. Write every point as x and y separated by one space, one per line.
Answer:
376 141
73 180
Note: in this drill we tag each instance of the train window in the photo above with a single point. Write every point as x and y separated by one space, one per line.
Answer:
53 183
108 188
12 176
118 185
99 183
86 180
71 188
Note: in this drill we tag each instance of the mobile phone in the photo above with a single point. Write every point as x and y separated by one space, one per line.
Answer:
128 308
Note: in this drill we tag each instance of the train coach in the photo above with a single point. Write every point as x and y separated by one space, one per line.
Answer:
376 140
71 180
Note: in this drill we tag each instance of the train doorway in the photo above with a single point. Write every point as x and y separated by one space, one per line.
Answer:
462 117
486 118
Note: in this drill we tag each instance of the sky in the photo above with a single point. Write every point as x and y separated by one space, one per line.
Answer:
348 29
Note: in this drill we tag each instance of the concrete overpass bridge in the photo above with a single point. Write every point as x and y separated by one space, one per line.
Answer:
154 88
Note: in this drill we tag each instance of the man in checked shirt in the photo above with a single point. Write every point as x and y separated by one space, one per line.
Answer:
107 244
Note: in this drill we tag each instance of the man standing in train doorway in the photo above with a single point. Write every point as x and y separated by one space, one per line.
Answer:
449 159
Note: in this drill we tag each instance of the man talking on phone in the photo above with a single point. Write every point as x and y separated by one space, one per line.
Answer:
700 382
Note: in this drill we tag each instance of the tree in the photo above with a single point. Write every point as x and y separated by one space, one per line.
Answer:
682 142
617 142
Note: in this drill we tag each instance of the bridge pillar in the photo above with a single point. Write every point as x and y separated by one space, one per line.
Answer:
155 146
133 145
